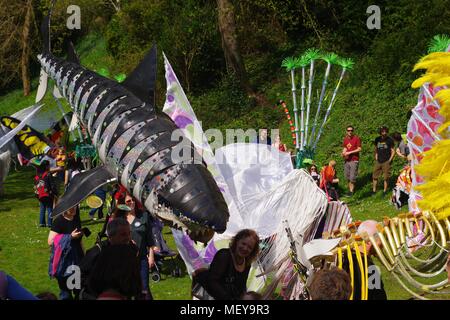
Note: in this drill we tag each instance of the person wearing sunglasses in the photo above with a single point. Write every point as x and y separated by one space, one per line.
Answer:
350 153
142 236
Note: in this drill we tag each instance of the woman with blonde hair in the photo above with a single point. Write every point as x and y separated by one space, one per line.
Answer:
227 276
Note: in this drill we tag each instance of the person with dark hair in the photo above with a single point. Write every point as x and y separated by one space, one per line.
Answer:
227 276
115 276
330 284
384 153
118 232
142 236
65 239
263 137
314 174
73 168
352 148
45 191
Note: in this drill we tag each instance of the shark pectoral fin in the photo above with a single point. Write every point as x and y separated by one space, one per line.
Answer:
42 88
81 186
142 80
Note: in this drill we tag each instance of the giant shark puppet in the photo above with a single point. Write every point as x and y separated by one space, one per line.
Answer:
135 145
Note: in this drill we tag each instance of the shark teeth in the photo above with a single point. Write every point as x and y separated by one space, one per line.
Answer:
180 222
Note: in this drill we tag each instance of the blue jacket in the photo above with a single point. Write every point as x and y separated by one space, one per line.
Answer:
62 256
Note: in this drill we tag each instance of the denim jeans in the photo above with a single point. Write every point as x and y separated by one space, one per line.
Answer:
45 205
100 212
145 277
66 293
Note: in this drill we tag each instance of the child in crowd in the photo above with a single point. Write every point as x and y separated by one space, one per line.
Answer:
45 192
314 174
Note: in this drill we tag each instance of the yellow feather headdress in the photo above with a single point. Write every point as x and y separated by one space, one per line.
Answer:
435 165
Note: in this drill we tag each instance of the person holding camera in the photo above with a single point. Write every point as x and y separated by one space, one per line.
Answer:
65 239
119 233
384 153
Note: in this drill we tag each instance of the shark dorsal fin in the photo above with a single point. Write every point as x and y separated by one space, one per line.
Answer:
142 80
72 54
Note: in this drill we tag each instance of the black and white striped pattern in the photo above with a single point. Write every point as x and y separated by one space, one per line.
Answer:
134 142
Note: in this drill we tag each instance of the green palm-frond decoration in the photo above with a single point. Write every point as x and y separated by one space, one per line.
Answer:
330 58
303 60
312 54
289 63
346 63
439 43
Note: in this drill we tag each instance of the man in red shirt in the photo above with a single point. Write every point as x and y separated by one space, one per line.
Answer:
352 147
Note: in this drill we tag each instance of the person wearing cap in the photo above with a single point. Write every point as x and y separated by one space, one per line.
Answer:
384 153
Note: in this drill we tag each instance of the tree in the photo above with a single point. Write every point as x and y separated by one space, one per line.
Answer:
230 44
25 59
16 42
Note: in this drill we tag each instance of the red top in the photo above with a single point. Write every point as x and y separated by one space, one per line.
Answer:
351 144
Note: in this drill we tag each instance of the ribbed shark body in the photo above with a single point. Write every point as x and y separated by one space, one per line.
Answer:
135 144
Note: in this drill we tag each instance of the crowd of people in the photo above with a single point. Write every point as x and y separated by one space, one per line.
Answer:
385 149
118 267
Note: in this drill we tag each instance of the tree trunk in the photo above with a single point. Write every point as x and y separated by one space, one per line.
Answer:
25 61
230 44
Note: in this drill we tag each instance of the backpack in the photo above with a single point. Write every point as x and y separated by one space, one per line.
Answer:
41 186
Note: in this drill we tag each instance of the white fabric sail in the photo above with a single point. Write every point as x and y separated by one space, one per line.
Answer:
260 187
253 174
25 121
42 120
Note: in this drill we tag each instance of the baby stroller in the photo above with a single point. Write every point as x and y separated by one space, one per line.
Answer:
164 254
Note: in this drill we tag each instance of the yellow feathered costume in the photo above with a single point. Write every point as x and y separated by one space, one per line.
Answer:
435 165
